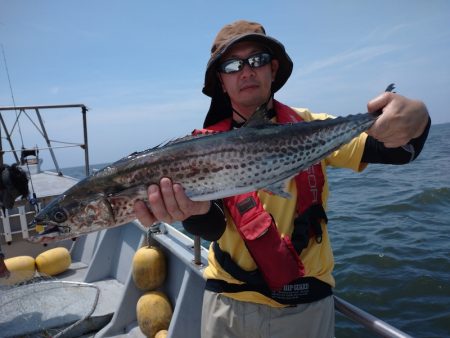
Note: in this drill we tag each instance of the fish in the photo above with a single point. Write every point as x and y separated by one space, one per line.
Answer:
259 155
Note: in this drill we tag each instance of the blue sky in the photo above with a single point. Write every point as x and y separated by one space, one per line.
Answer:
139 65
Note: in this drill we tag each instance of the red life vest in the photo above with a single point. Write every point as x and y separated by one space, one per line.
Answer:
275 256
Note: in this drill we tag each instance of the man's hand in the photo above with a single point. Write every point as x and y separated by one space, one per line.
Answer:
402 119
168 203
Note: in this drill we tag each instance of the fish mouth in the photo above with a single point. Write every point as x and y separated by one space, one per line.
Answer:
47 230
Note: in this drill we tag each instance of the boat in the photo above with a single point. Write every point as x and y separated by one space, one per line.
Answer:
101 268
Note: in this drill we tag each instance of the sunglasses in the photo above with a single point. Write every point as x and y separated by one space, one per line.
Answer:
254 61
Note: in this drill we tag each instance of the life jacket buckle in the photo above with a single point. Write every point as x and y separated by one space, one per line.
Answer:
246 205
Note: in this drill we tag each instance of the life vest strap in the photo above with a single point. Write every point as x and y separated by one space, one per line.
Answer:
253 277
308 225
301 291
259 231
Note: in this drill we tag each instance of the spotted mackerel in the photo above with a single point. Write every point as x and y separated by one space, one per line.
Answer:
260 155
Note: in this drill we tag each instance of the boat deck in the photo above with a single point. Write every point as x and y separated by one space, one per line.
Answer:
49 183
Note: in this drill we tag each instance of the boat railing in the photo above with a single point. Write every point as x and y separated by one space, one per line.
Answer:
21 216
39 125
367 320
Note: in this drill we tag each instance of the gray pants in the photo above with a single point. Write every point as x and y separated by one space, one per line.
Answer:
223 317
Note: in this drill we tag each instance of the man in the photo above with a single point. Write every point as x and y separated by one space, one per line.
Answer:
245 295
13 183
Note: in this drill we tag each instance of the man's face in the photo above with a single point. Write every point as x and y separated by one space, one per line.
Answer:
249 87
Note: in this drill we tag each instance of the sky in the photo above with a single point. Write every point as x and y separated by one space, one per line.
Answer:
139 65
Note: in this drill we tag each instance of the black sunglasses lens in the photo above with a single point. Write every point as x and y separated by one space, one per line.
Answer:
259 60
231 66
254 61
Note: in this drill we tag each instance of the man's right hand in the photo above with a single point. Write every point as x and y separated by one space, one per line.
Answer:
168 203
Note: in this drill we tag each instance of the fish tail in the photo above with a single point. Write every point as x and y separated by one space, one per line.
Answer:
389 89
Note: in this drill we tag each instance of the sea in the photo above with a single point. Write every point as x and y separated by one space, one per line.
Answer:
390 232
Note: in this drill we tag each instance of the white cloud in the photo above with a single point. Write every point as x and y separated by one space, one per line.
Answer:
349 58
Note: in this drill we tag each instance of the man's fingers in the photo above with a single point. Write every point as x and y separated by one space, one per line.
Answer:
170 200
187 206
379 102
184 203
157 203
143 214
168 203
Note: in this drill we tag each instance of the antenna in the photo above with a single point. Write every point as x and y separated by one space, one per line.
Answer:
17 118
11 90
7 74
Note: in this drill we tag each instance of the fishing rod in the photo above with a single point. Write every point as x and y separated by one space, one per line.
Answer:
33 198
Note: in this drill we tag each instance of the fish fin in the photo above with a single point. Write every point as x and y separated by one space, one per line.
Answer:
258 118
182 139
187 138
158 146
279 189
123 159
139 191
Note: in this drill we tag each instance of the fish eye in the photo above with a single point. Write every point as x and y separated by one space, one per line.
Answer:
59 216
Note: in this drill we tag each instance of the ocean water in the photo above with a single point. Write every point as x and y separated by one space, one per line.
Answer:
390 231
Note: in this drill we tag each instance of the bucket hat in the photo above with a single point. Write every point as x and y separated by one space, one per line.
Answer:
229 35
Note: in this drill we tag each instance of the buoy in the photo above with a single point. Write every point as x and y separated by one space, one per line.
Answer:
154 313
54 261
149 268
21 269
161 334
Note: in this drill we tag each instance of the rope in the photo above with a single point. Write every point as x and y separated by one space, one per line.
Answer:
32 200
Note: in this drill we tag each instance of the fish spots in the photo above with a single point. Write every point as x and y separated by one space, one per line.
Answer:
123 208
213 168
192 172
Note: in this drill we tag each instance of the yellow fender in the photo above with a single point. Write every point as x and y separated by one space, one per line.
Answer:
21 269
54 261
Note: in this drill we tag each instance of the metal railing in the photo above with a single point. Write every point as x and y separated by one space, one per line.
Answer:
7 217
23 110
367 320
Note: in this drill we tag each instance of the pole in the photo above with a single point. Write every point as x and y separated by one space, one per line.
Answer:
85 135
44 132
